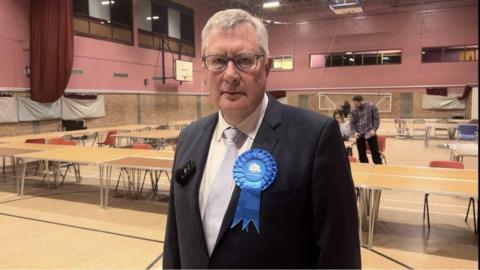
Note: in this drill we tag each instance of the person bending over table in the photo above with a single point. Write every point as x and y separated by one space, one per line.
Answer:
344 125
258 184
365 121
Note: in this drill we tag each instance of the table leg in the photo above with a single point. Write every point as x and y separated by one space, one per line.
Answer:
18 178
138 182
451 133
100 170
123 174
56 170
47 172
375 196
427 134
364 208
14 166
22 178
129 175
107 180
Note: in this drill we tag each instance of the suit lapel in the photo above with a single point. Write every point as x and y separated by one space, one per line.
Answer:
199 153
266 139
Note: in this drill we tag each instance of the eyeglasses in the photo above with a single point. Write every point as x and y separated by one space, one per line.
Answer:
243 62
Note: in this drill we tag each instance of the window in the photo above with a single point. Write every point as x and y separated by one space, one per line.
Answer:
317 60
283 62
391 57
450 54
165 24
370 58
348 59
104 19
345 59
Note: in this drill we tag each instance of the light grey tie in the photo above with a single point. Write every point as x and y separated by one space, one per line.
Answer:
221 190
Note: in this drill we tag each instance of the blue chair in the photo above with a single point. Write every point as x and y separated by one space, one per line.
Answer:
467 131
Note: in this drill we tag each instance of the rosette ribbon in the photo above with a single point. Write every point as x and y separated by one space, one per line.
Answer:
254 171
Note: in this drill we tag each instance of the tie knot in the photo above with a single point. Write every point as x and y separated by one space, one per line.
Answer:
232 135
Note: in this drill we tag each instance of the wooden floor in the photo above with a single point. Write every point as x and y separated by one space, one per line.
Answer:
66 228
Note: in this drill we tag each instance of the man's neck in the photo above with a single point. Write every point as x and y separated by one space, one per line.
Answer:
235 119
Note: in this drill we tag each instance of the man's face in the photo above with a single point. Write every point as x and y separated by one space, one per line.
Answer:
233 91
357 104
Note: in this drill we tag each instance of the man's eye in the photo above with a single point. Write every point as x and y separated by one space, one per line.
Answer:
218 61
244 61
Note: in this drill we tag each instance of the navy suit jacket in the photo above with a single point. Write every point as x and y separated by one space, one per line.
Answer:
308 216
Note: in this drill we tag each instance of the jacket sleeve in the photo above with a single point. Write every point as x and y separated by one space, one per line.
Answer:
333 202
171 252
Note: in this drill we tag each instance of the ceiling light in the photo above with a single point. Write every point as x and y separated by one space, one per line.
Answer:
351 60
107 2
424 52
273 4
155 17
348 53
149 18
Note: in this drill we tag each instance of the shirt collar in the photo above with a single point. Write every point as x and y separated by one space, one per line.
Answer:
249 126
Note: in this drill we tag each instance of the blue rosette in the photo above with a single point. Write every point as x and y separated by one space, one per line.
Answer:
253 171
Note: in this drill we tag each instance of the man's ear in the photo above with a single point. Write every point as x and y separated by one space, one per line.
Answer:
268 65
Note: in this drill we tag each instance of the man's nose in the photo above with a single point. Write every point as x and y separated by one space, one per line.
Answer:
231 73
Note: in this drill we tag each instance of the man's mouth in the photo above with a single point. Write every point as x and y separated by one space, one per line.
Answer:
232 93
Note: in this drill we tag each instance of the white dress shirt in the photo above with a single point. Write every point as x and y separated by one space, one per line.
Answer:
218 149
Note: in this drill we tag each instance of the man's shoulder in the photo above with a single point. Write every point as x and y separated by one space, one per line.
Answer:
200 124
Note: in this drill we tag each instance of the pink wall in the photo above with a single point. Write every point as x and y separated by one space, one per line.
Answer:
98 59
14 42
409 31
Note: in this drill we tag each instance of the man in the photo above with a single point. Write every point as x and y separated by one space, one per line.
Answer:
307 216
365 120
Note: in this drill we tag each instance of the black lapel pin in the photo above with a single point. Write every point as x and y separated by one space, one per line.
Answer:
184 174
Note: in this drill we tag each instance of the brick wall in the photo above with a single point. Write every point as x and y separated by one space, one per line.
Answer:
124 109
396 109
121 109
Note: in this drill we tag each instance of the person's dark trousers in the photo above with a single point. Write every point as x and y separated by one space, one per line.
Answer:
362 151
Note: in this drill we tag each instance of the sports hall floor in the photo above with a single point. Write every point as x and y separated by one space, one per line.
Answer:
65 227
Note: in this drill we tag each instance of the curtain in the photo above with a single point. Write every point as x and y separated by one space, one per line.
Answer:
51 48
30 110
450 102
8 109
84 107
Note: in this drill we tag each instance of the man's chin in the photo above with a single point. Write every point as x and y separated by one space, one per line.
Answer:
233 107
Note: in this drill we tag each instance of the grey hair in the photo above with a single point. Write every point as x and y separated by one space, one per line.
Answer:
228 19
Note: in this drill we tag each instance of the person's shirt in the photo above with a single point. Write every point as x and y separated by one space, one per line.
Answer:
365 118
218 148
345 130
